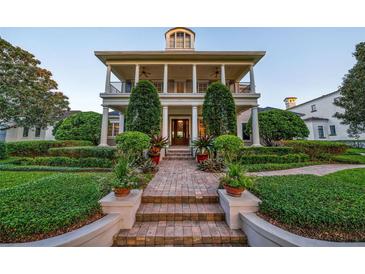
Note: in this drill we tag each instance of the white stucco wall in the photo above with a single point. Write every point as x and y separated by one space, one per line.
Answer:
325 109
16 134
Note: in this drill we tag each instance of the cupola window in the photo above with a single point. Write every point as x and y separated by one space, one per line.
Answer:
180 38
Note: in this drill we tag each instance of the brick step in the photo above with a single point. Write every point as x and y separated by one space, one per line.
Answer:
180 233
168 157
173 199
180 212
178 154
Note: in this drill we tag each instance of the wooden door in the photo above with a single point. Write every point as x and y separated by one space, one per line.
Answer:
180 86
180 132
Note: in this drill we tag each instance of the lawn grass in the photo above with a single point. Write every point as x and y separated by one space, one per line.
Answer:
11 178
274 166
330 207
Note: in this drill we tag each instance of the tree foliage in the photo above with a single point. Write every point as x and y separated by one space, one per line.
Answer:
144 109
352 93
80 126
27 96
276 125
219 111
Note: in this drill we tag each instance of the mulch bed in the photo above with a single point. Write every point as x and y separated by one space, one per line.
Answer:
326 235
38 237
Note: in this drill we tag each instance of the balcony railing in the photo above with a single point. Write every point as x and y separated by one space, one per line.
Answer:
122 87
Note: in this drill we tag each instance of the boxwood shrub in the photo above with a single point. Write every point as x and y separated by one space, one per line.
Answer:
67 162
317 150
278 159
40 148
3 150
82 152
267 150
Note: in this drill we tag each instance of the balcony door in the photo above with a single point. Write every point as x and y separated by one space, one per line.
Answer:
180 132
180 86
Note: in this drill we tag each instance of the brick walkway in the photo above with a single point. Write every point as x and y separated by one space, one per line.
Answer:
319 170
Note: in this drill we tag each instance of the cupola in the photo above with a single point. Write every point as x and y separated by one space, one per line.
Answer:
180 39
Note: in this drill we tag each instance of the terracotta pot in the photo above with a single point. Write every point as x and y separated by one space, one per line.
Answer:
155 159
201 157
234 191
121 192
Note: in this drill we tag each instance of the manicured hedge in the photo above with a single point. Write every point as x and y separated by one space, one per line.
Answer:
67 162
317 150
263 159
50 204
82 152
349 159
40 148
53 168
267 150
3 150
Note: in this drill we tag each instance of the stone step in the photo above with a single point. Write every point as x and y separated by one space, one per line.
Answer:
178 154
179 212
188 157
180 233
173 199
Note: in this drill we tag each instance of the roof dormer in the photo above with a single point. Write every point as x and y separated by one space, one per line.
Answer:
180 39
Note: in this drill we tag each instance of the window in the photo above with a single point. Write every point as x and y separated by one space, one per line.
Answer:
113 129
245 136
313 108
158 85
179 40
172 40
333 130
321 132
187 40
25 132
37 132
202 86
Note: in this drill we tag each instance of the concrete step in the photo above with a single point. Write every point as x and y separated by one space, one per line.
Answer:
180 233
179 212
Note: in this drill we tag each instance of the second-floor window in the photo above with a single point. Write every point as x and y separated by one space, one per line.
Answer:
158 85
321 132
313 108
333 130
202 86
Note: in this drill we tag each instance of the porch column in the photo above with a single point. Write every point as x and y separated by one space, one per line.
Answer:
194 79
223 75
136 75
165 121
107 81
121 122
252 81
104 127
165 78
194 122
255 127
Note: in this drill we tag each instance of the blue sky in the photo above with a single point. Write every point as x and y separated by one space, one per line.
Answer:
301 62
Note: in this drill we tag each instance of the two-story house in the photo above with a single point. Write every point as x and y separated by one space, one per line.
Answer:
181 75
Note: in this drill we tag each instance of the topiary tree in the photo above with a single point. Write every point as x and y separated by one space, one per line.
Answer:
219 110
352 92
276 125
228 147
132 143
80 126
144 109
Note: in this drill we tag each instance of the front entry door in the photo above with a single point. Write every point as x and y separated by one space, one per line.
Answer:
180 132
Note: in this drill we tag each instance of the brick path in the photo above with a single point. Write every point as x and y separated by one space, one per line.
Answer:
180 208
319 170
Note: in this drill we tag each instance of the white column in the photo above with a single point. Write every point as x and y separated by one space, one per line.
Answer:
104 127
165 78
255 127
194 122
165 121
223 75
121 122
136 75
107 81
252 81
195 88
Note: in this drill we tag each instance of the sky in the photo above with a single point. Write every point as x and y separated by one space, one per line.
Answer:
301 62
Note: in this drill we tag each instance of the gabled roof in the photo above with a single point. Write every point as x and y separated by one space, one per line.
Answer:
312 100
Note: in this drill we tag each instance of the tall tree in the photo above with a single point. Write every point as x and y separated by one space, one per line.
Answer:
144 109
352 92
27 91
219 110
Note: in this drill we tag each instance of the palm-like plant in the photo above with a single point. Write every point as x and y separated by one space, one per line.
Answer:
203 145
158 142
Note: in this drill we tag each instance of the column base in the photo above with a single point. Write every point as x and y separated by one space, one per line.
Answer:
256 145
103 145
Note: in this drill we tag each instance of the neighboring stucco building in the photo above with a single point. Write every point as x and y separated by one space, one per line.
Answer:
318 116
181 75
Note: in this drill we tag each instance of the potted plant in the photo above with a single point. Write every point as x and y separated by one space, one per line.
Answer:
157 143
125 178
202 147
236 181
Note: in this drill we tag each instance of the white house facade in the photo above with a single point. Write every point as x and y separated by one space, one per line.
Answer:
181 75
318 116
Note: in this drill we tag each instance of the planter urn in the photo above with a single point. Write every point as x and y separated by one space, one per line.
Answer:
121 192
234 191
201 157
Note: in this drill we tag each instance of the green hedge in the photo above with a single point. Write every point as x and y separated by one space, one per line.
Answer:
3 151
49 205
317 150
40 148
53 168
263 159
82 152
267 150
349 159
67 162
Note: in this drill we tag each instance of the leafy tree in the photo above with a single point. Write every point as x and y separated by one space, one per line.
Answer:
144 109
80 126
219 110
27 96
352 93
276 125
